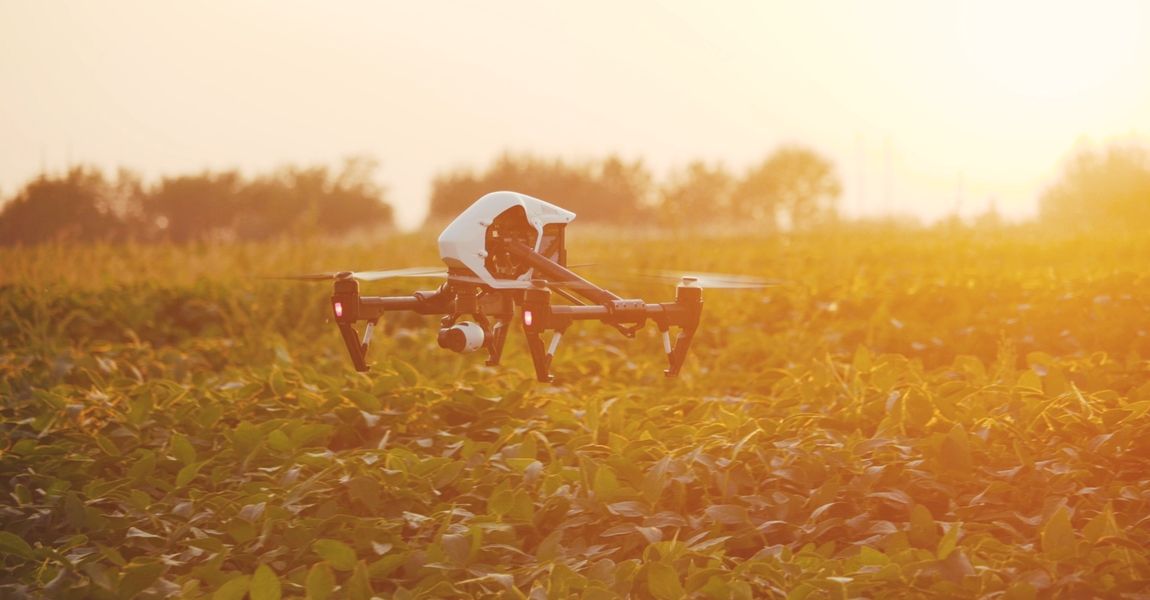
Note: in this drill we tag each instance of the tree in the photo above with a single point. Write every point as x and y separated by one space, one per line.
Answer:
80 206
794 186
1101 189
694 195
194 207
609 191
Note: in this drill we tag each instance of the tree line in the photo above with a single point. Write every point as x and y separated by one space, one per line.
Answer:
793 188
84 205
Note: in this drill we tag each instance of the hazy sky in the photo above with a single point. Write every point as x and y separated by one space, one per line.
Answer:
925 107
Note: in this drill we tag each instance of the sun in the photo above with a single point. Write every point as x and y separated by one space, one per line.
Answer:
1049 50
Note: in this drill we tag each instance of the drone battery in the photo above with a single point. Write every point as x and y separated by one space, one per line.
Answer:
462 337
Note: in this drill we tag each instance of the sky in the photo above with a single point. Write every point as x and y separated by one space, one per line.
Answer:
926 108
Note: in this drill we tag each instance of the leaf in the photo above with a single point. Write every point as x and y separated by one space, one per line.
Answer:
279 441
948 542
340 555
107 445
235 588
359 584
457 547
182 449
409 373
501 502
138 576
188 473
663 582
955 450
10 543
252 512
1102 525
727 514
265 585
923 529
320 582
606 484
627 508
143 468
363 400
918 408
1057 536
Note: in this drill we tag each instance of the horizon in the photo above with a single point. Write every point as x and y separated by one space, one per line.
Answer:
926 111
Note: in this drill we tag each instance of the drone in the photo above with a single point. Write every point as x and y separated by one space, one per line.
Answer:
506 260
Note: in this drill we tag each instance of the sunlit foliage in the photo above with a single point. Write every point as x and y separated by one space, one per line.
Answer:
944 413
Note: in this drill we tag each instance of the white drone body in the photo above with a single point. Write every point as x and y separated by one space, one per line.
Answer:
464 243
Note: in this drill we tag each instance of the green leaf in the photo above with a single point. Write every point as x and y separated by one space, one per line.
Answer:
107 445
409 373
363 400
727 514
923 529
1102 525
457 547
359 584
338 554
501 502
182 449
663 582
279 441
138 576
955 451
143 467
265 585
606 484
235 589
1057 536
871 557
320 581
627 508
948 542
10 543
188 473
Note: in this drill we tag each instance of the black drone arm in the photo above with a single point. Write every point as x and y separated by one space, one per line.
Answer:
348 308
539 315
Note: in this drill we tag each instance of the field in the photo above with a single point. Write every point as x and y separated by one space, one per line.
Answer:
944 413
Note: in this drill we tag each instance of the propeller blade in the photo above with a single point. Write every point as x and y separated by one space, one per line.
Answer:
307 277
409 272
717 281
414 272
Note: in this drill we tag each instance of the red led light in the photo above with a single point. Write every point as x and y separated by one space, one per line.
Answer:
339 309
527 318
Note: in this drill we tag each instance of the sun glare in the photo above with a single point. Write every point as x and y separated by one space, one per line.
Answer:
1049 50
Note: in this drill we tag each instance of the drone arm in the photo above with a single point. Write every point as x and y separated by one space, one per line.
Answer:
349 308
540 315
559 274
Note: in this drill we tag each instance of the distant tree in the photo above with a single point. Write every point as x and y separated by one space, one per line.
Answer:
694 195
794 186
289 200
609 190
354 200
194 207
78 206
1101 189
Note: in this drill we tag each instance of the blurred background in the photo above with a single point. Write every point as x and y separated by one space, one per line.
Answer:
248 120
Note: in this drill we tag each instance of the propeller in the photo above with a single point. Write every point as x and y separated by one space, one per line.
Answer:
715 281
415 272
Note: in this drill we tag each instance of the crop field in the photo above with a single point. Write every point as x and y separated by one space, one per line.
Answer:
942 413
